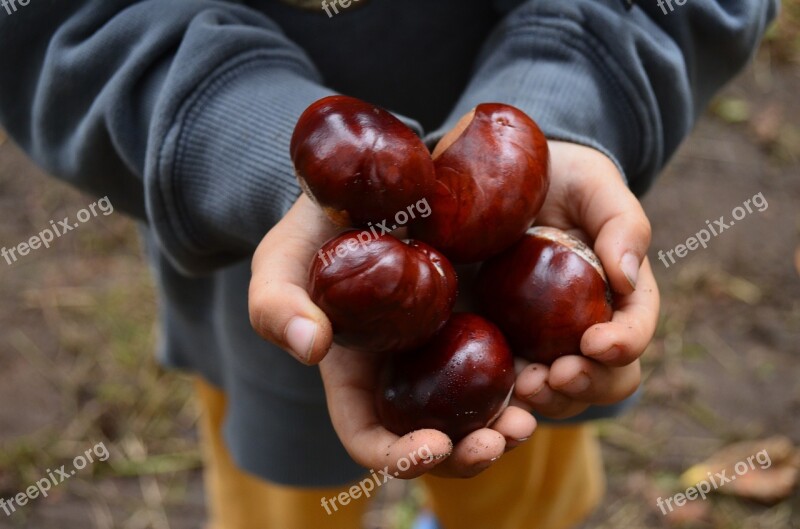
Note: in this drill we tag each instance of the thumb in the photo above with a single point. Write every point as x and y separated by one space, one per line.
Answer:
623 237
280 309
607 211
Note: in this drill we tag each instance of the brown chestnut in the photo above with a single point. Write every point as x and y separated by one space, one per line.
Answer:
492 182
381 294
544 292
359 162
457 383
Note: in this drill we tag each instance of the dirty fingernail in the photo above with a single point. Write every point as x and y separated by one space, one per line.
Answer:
483 465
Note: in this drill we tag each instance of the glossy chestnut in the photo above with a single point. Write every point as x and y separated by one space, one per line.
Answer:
359 162
492 181
457 383
381 294
544 292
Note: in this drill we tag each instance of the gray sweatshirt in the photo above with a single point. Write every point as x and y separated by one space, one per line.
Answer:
181 112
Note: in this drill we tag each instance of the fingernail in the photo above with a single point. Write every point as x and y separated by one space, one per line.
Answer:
608 354
630 267
532 394
579 384
300 334
483 465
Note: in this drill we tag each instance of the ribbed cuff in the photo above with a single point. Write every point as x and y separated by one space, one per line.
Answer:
224 176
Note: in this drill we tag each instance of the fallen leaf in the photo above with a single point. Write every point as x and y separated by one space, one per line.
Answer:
797 260
737 288
731 109
766 486
744 290
765 470
767 124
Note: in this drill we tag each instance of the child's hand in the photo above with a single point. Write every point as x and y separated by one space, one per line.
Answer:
281 310
350 379
589 198
279 303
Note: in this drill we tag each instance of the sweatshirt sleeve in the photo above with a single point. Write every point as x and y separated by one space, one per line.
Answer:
180 111
630 83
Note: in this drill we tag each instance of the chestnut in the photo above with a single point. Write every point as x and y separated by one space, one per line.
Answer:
544 292
457 383
492 181
381 294
358 162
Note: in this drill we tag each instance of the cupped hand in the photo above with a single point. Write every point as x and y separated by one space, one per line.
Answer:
282 312
589 198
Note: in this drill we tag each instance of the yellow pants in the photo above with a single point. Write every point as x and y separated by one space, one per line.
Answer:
552 481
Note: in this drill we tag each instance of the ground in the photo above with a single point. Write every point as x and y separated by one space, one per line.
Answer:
77 335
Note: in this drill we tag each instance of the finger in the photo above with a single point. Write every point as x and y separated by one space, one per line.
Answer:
280 308
581 379
519 366
516 425
473 454
351 407
621 233
624 339
532 388
607 210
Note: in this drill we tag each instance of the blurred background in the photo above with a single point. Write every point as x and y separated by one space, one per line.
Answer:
77 338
